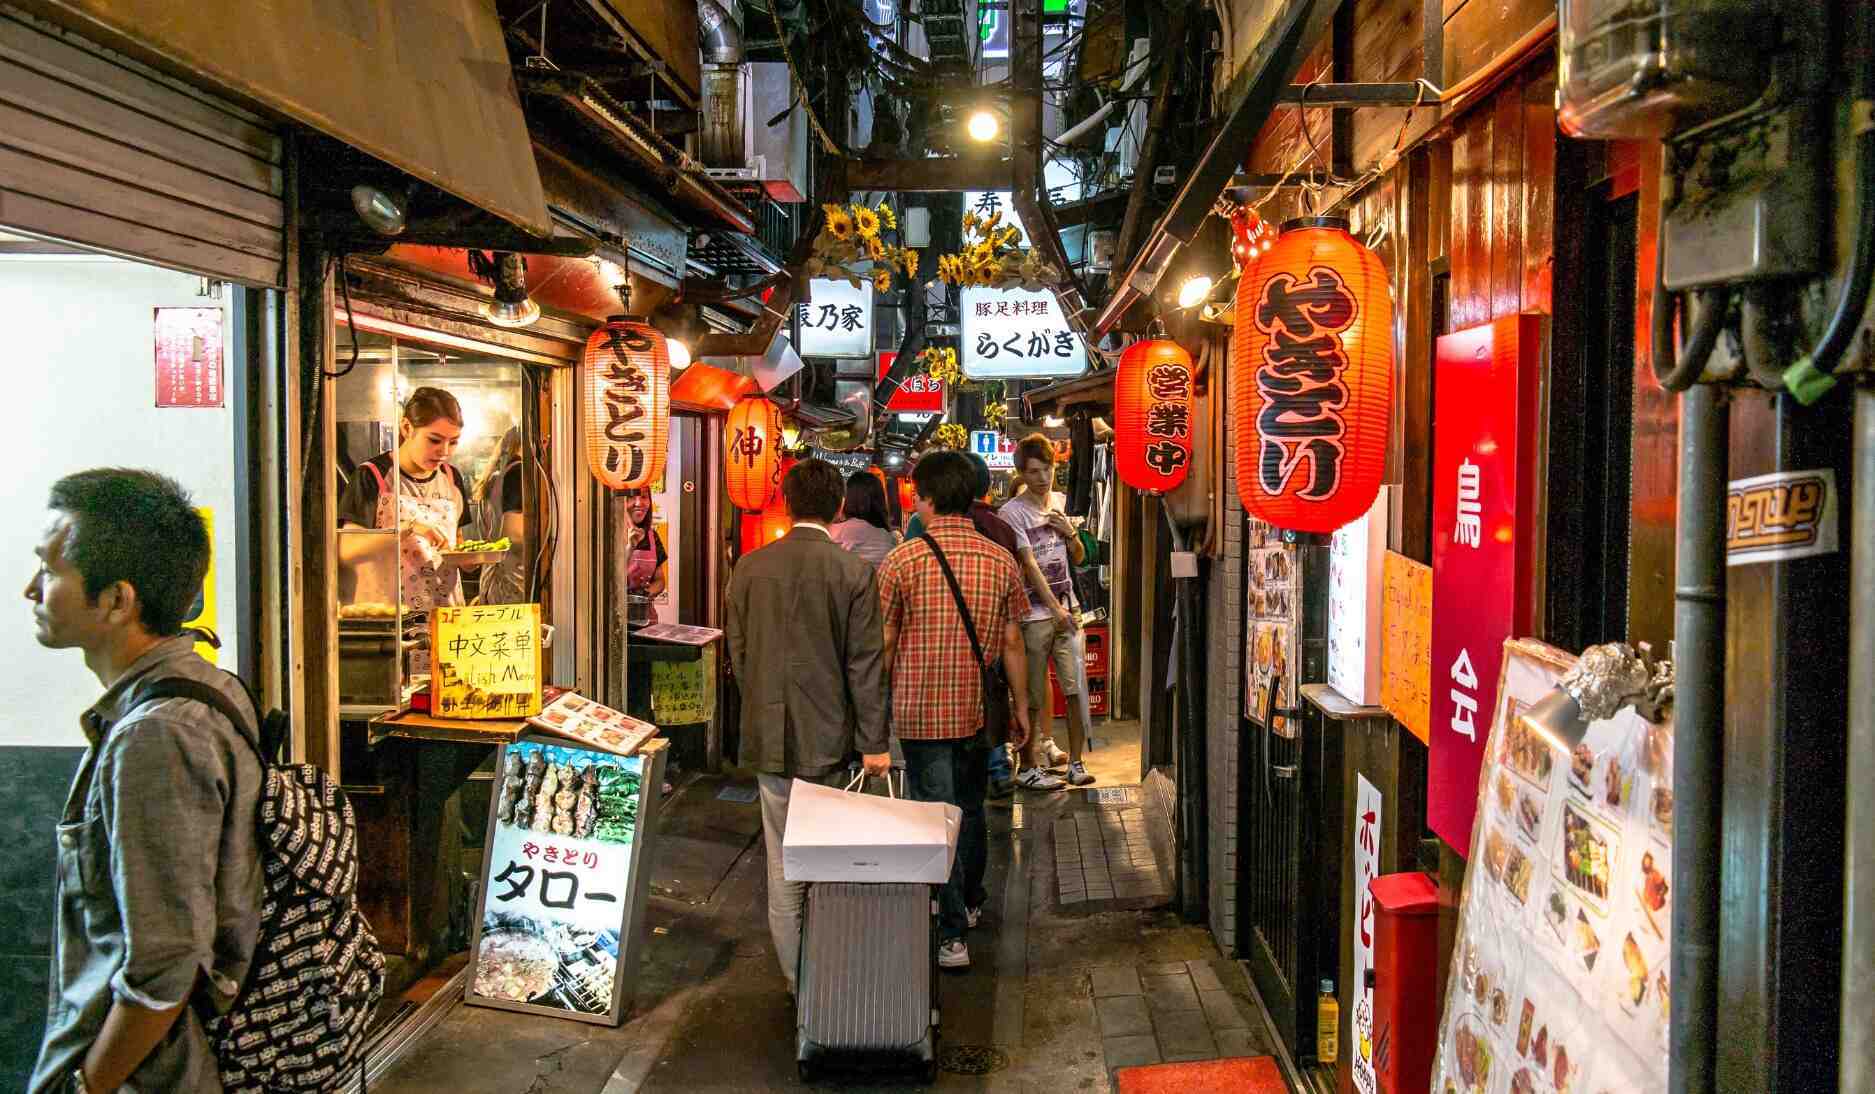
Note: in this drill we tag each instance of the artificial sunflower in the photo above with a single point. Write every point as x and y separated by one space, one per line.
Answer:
875 248
887 216
995 218
866 221
882 279
978 253
839 225
950 269
909 258
971 222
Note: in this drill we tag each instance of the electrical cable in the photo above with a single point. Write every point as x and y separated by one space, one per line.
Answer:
345 291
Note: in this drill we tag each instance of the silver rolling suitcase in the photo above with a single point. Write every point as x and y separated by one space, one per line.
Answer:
867 987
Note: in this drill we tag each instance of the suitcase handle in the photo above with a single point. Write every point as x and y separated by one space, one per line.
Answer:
859 781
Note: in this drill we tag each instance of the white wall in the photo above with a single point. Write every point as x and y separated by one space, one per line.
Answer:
78 361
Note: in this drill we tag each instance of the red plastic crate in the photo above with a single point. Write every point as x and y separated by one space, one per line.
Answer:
1096 696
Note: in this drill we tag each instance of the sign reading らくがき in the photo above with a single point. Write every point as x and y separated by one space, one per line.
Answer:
485 661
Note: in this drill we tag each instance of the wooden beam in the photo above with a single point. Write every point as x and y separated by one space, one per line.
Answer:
911 175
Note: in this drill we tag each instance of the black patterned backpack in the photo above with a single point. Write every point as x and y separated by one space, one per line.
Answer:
300 1019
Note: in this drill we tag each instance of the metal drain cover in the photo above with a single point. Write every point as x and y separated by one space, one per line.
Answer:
1112 795
971 1059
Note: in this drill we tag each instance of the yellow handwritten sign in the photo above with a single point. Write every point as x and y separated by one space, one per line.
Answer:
485 661
1406 643
684 692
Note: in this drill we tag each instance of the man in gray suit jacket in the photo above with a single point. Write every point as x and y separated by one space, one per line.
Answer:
807 648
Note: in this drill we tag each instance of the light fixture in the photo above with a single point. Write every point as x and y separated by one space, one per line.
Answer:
507 271
1054 421
679 352
1605 679
612 273
385 209
983 126
1194 290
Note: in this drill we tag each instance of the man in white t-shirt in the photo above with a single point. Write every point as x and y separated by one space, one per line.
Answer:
1050 630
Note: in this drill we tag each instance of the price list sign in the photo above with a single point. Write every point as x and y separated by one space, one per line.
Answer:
485 661
188 357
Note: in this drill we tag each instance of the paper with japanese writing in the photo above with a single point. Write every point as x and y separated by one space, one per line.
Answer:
1355 557
684 692
556 893
1366 844
485 661
1406 643
1559 977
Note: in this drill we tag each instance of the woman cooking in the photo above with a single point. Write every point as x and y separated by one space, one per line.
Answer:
429 507
646 558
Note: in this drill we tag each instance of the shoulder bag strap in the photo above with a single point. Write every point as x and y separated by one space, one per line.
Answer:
176 687
957 594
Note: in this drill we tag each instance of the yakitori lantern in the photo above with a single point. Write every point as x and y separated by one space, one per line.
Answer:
1312 378
628 402
1152 427
752 453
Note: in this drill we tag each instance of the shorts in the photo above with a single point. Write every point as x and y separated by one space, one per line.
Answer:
1068 652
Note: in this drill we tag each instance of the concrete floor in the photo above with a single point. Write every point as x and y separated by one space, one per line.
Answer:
1056 996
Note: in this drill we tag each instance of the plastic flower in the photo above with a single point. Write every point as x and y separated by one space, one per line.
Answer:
875 249
909 258
995 218
971 222
866 221
950 269
882 279
887 215
839 225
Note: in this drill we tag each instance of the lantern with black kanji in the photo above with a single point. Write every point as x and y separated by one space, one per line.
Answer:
763 527
752 453
1152 409
1312 378
627 370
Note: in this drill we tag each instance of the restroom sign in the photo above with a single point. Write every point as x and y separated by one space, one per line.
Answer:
997 450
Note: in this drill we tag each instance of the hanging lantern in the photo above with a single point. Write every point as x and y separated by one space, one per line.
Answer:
1250 237
752 453
1152 407
906 495
628 402
1312 378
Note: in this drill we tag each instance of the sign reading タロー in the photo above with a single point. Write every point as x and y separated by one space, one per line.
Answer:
1483 466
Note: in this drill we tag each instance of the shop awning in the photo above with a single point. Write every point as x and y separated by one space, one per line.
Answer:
424 85
1095 389
706 387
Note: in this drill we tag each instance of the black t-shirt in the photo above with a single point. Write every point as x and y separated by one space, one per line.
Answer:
359 504
511 488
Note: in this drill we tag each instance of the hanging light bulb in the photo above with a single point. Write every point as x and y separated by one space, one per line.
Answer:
680 354
983 126
1194 290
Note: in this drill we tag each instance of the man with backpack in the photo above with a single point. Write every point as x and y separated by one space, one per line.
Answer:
159 889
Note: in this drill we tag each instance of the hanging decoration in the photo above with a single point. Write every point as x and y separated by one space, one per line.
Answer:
1312 378
907 497
991 259
852 246
1251 237
752 453
950 435
1152 407
628 406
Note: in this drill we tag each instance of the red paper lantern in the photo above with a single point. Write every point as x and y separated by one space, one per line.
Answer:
1312 378
906 496
628 402
1152 408
752 453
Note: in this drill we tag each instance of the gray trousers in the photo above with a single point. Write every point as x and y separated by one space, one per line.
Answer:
785 898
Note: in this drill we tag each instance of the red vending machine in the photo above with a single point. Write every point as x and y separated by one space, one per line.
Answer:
1406 980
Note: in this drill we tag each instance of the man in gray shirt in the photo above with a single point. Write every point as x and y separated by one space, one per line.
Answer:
807 646
159 878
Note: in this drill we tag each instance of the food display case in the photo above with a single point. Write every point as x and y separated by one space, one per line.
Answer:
375 630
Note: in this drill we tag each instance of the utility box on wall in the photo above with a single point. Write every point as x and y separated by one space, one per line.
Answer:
1406 978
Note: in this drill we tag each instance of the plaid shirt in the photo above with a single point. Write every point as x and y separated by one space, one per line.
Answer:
937 693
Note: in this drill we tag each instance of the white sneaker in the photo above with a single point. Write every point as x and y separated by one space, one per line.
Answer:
973 916
1077 774
954 955
1051 754
1037 779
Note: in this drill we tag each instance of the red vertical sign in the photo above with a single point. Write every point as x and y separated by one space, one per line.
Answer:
1484 470
188 357
916 394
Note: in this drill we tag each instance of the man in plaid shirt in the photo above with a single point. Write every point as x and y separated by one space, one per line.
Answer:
937 686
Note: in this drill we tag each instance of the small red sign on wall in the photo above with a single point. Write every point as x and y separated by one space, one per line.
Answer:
188 357
1484 473
916 394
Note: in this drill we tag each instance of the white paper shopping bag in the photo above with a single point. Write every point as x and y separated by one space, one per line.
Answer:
837 835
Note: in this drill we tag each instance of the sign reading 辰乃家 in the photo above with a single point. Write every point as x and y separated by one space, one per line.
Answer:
485 661
838 323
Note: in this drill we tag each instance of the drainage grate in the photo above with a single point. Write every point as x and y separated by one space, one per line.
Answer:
1112 795
971 1059
743 794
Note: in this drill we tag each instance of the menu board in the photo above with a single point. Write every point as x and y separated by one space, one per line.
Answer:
564 877
594 723
1406 643
485 661
1272 614
684 692
1355 556
1559 973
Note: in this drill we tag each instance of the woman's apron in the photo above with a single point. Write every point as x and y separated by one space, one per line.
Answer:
427 579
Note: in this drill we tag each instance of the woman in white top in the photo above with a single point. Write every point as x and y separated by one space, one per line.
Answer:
863 527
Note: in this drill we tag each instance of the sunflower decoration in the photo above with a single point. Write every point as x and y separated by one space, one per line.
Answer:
990 258
940 364
853 246
993 414
950 435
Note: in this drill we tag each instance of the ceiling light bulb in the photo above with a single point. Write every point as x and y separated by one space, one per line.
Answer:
983 127
679 354
1194 290
386 211
612 273
1054 422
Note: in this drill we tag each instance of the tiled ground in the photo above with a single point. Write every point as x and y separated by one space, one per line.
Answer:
1167 1013
1103 854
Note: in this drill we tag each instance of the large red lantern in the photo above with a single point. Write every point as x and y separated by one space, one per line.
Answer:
752 453
1152 426
1312 378
628 402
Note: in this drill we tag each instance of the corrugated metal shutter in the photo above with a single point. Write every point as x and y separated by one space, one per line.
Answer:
100 151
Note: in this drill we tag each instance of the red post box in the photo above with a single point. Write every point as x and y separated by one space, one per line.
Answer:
1405 980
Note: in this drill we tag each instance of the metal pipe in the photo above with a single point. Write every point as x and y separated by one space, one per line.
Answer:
719 37
1678 370
1699 737
1858 853
1192 789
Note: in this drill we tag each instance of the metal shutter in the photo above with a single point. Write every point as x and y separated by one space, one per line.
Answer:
100 151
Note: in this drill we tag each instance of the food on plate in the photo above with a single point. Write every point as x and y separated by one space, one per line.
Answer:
1527 752
1496 853
1662 806
1481 989
514 966
1523 1027
1540 1050
1558 909
1581 766
1473 1056
1517 874
1529 815
1562 1072
1506 795
1524 1082
1500 1007
1586 858
1588 945
1653 894
481 546
1613 782
1637 970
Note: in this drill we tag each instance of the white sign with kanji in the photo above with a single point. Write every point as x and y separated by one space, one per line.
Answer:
1015 333
558 879
987 203
1366 869
838 323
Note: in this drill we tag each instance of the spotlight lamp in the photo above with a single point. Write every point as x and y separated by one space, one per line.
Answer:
507 272
1605 679
983 126
386 210
1194 291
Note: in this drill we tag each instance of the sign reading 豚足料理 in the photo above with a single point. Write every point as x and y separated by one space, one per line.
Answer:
1013 332
1484 419
1789 514
485 661
838 323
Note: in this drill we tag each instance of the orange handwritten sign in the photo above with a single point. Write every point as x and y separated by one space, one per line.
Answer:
1406 643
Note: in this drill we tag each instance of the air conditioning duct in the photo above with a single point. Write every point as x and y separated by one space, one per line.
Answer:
736 142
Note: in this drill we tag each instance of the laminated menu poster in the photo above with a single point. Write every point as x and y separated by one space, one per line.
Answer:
1559 974
575 716
563 880
1272 613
